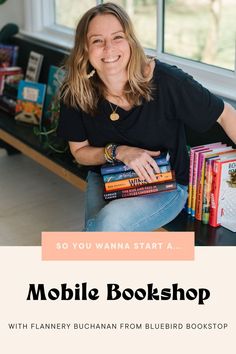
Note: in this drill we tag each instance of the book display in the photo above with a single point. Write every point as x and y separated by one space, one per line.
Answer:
212 196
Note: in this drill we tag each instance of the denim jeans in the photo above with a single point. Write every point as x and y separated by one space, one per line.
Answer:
145 213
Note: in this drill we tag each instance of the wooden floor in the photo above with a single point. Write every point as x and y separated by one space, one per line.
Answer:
32 200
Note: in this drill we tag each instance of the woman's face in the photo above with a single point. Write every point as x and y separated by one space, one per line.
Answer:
108 48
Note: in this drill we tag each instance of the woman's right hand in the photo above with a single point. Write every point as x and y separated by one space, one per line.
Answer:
140 160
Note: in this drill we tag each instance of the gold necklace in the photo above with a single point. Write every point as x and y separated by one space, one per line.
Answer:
114 115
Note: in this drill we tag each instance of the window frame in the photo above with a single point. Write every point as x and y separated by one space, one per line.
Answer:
39 23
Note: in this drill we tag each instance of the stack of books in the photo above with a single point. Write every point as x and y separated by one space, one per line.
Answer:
120 181
211 182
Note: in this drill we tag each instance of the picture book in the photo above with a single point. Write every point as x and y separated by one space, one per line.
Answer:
8 55
201 174
207 189
10 75
55 78
191 172
195 174
30 99
34 66
223 195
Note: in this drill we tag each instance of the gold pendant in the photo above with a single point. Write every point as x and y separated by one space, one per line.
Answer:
114 116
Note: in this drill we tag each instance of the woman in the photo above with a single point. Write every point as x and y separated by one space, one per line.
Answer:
115 95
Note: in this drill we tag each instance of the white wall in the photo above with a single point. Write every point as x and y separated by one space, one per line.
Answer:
12 11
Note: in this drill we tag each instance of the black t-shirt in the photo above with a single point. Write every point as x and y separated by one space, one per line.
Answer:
155 125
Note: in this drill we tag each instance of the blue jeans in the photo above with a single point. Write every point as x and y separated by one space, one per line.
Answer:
145 213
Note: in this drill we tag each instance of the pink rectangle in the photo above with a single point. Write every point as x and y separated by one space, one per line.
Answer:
118 245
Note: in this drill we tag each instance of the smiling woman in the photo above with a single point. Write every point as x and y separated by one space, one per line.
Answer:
119 105
109 52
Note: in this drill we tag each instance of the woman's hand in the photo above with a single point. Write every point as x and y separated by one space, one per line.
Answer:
140 160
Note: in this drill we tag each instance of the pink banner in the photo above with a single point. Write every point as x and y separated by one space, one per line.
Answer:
118 245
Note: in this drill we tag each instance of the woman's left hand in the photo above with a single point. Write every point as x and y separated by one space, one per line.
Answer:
140 160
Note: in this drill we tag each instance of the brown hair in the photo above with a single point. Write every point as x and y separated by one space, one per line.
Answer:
80 89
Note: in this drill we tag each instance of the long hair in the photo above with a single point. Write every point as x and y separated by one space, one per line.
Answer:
80 89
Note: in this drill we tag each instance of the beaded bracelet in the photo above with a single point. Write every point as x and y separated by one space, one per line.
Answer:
110 152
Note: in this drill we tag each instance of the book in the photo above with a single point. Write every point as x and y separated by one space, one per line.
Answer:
201 175
129 174
207 189
30 99
192 163
195 174
222 185
34 66
140 191
137 182
121 167
51 108
10 75
8 55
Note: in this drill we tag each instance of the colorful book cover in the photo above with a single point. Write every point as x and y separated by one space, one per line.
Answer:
222 185
139 191
137 182
30 99
10 75
120 167
191 160
207 189
55 78
129 174
201 175
195 177
8 55
192 173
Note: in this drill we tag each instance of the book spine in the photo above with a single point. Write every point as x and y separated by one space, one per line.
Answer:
129 174
136 182
190 181
207 192
194 185
139 191
199 187
107 169
214 201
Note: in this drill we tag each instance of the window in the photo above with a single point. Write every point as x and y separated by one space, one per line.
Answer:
198 36
67 13
201 30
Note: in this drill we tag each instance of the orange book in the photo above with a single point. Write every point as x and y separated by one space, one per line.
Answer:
137 182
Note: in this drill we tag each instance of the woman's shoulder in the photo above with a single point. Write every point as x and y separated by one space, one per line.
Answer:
164 71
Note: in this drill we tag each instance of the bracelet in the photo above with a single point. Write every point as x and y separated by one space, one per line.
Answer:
110 152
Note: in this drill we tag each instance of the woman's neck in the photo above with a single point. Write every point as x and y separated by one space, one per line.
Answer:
115 84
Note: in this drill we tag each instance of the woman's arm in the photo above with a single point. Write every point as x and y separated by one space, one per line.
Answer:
228 121
86 154
138 159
